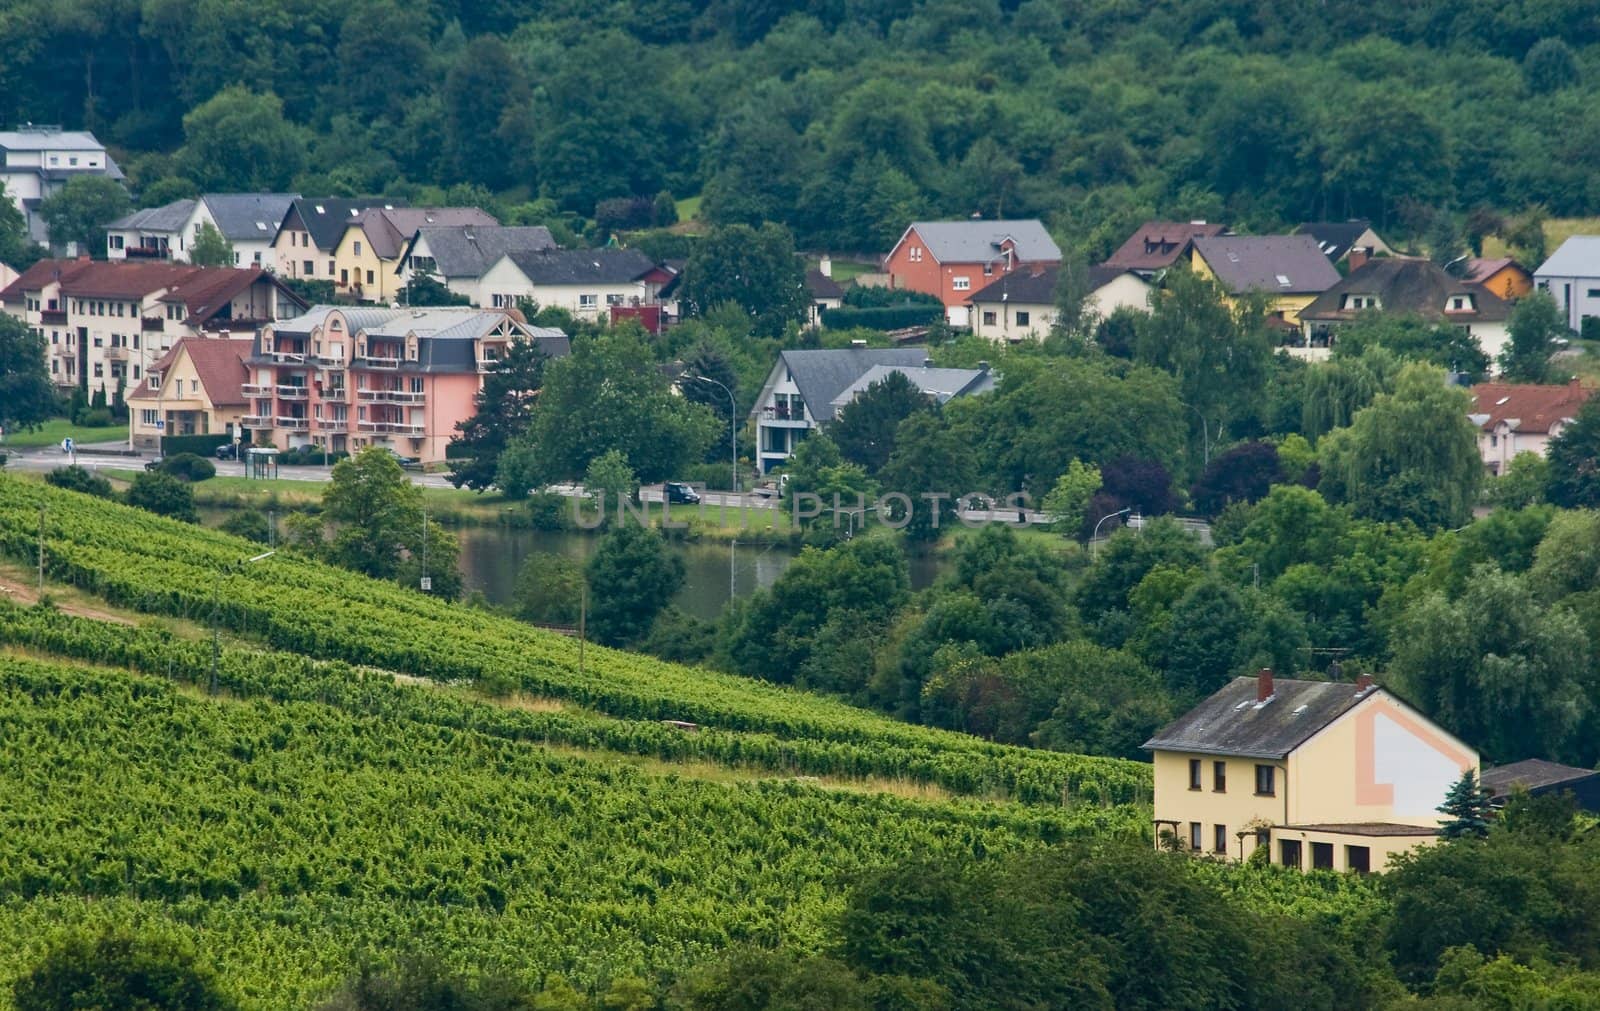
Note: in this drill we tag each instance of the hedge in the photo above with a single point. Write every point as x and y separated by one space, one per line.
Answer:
200 445
893 317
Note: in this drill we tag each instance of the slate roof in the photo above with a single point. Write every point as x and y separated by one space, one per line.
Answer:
218 362
1528 407
1335 238
245 217
978 241
470 250
940 384
326 217
1231 723
1157 245
1274 264
166 218
1406 285
206 291
822 286
1021 287
389 229
821 375
1531 774
1579 256
582 266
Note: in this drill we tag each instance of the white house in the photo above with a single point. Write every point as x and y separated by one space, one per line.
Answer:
249 221
1517 418
1572 276
1021 306
36 161
458 256
1402 285
585 282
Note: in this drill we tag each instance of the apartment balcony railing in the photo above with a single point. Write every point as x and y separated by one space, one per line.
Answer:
256 421
285 357
116 354
256 389
784 413
332 424
57 316
146 252
300 424
288 392
372 362
390 397
390 428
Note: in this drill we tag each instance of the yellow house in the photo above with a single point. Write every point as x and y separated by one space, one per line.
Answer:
1326 774
1289 270
369 250
195 389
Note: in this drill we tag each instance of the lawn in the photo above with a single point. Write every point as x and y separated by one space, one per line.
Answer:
52 432
845 271
1556 231
688 209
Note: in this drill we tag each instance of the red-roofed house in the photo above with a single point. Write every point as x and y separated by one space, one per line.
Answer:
1502 275
1517 418
1157 245
195 389
107 323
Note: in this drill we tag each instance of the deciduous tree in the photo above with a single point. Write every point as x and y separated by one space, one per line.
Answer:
211 248
27 397
753 268
80 211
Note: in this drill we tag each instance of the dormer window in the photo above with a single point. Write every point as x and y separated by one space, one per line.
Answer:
1460 303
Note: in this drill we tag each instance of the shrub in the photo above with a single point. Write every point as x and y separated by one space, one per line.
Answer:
98 417
163 495
75 478
188 467
893 317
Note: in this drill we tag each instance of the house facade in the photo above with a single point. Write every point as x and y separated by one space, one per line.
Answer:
1505 277
1514 418
195 389
951 260
458 256
1023 307
588 283
1353 242
106 324
367 255
1289 271
825 293
345 378
1327 774
1572 277
311 228
249 221
1406 286
36 161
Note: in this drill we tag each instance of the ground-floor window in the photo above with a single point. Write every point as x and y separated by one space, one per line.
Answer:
1322 856
1358 859
1221 840
1195 842
1289 853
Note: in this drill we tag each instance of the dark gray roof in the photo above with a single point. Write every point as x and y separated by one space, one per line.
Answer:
248 216
943 385
823 375
1335 238
166 218
1274 264
1367 828
823 286
582 266
326 217
1231 723
1022 287
1406 285
978 241
1530 774
469 250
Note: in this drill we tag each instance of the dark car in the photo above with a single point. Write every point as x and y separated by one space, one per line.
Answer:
678 493
155 464
228 451
405 462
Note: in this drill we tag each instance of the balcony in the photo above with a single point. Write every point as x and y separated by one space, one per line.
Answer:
115 354
256 389
792 415
299 424
55 316
390 397
152 324
285 357
370 362
256 421
390 428
146 252
288 392
332 424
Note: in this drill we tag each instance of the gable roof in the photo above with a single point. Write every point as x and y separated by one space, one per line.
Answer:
1480 269
821 375
941 384
822 286
1157 245
1335 238
1275 264
1531 774
979 241
582 266
206 291
203 290
1022 287
1526 407
1406 285
166 218
468 250
1579 256
40 139
389 229
325 218
1230 722
219 363
249 217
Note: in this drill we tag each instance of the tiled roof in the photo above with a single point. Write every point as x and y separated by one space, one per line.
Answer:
203 290
218 362
1406 285
979 241
1231 722
1157 245
1273 264
1526 407
1480 269
1335 238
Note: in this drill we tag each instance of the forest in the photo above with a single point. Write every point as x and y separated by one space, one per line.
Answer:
841 119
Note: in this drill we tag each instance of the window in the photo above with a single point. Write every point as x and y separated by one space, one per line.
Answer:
99 370
1194 773
1594 292
587 301
147 418
55 366
1322 856
1289 853
1022 318
136 372
155 381
358 247
614 299
1219 777
330 268
914 254
961 284
344 278
1220 842
116 242
1266 781
1358 859
99 342
1195 842
988 318
369 277
988 270
310 268
416 384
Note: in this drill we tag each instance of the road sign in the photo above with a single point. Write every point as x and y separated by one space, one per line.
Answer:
427 584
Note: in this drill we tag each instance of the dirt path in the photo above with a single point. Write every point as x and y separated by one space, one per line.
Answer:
28 593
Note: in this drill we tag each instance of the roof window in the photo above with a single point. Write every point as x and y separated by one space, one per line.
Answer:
1283 280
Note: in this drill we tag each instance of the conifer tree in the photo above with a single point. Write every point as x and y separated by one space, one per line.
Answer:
1467 805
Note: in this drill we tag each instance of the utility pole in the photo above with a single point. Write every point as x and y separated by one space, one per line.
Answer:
583 624
41 551
427 584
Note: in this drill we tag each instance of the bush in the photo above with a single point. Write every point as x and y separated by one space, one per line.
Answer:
310 456
201 445
879 298
893 317
250 525
163 495
99 417
549 511
120 971
75 478
2 459
1589 329
713 476
188 467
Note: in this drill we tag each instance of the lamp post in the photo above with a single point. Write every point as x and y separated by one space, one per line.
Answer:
1094 546
733 427
216 644
1205 434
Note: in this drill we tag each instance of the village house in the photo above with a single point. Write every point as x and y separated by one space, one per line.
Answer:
310 231
1289 271
1403 286
458 256
1504 277
952 259
368 254
588 283
1157 245
938 385
1514 418
1539 778
825 292
345 378
1326 774
1351 241
106 324
1572 277
37 161
1021 307
195 389
249 221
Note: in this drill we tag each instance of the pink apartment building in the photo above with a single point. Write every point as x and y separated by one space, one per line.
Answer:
345 378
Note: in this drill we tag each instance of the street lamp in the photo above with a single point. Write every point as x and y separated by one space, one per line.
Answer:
1094 546
733 427
1205 434
216 645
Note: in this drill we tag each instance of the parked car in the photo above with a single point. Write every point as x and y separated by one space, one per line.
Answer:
405 462
678 493
228 451
155 464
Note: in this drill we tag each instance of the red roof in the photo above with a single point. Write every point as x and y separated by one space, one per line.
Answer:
1158 244
218 361
1480 269
203 290
1528 407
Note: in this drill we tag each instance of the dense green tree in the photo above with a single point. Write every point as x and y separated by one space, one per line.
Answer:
502 410
1407 337
119 970
1549 66
163 495
422 983
211 248
549 589
380 527
632 577
240 140
250 524
486 99
1466 809
933 465
1574 457
747 979
609 478
1535 325
1069 500
1523 484
865 427
79 479
17 248
1245 473
753 268
27 397
1088 699
379 34
80 211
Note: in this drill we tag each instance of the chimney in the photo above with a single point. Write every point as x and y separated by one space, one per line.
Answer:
1264 684
1364 684
825 265
1358 257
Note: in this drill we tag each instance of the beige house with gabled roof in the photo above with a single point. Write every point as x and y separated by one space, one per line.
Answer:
195 389
1329 775
368 254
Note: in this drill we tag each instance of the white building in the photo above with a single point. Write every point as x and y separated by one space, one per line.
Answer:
1572 277
249 221
585 282
458 256
1021 306
36 161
